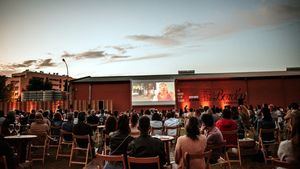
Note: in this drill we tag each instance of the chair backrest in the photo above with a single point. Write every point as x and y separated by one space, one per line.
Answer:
143 160
64 133
41 140
81 138
229 135
54 130
3 162
217 147
177 128
278 163
112 158
153 129
188 157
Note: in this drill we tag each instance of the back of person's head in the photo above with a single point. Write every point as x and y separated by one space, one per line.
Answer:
81 117
45 113
169 115
144 124
110 124
134 119
207 120
172 114
39 117
266 113
226 114
70 117
192 128
156 117
123 124
206 108
75 114
11 117
295 106
148 112
57 117
116 113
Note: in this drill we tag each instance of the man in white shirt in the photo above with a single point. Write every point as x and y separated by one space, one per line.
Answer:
171 122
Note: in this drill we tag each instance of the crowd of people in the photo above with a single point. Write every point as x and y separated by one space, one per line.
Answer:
203 128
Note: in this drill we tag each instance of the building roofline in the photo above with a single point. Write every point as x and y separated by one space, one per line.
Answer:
228 75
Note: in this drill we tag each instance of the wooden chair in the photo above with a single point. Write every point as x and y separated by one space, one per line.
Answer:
76 147
3 163
95 132
225 159
105 146
277 163
153 129
177 128
230 147
63 142
188 157
265 145
39 144
143 160
111 158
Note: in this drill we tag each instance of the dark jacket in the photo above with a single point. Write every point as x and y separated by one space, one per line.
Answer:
119 143
147 146
82 129
267 124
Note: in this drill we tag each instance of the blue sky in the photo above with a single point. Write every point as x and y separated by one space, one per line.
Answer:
139 37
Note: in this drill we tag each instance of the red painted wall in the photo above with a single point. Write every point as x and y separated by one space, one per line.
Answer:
118 92
219 92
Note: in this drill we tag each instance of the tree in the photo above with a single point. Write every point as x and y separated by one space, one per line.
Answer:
37 84
6 91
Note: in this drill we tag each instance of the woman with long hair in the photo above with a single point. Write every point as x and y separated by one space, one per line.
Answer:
192 142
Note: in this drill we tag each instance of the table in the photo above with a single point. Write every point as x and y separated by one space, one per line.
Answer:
165 139
20 143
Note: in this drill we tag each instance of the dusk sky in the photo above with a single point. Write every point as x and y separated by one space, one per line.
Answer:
142 37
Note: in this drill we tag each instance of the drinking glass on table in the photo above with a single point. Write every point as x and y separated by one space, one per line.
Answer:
11 128
17 128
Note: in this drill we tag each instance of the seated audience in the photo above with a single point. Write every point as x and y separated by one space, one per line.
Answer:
237 114
156 123
227 124
10 119
68 126
146 146
102 118
192 142
213 135
119 141
2 118
83 129
288 150
134 124
57 120
45 116
266 122
92 118
171 122
39 126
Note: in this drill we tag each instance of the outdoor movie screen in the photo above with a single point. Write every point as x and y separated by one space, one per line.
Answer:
154 92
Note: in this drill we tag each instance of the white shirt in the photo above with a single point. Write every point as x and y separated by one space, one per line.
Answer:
171 122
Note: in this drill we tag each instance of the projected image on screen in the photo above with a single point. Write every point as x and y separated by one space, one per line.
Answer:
152 92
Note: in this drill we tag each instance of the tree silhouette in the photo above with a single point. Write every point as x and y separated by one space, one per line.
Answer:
6 91
37 84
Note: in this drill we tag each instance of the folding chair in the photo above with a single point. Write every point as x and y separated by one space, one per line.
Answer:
158 129
39 144
143 161
76 147
111 158
230 147
63 142
266 144
224 160
188 157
